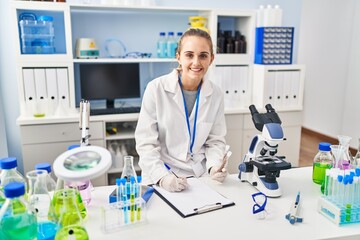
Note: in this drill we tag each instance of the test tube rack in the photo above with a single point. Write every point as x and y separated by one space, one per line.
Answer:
336 214
123 214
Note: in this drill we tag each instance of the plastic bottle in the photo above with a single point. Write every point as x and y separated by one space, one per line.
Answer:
171 45
39 198
161 46
17 217
50 182
277 16
323 160
260 16
9 174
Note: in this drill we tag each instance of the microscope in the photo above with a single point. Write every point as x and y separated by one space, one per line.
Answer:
261 166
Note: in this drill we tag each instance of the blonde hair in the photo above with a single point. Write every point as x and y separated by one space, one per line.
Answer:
197 33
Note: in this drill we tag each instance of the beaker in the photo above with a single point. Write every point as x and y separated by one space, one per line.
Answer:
39 198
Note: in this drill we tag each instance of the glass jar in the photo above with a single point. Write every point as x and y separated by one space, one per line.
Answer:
323 160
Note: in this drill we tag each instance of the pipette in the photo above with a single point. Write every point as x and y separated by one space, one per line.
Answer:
293 216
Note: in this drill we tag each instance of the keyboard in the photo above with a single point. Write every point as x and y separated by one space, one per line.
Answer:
104 111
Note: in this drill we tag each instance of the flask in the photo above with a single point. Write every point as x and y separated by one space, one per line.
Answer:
39 198
344 158
84 187
323 160
128 170
70 221
50 182
161 46
17 218
10 174
171 45
356 160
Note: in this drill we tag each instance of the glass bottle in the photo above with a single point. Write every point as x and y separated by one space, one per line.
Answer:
39 198
323 160
128 170
356 160
50 182
9 174
70 221
17 217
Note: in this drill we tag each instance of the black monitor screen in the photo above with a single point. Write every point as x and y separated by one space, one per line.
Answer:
109 81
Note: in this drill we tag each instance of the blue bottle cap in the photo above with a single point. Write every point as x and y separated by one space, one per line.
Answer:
8 163
340 178
357 171
14 189
73 146
171 33
179 34
324 146
162 33
45 18
43 166
139 178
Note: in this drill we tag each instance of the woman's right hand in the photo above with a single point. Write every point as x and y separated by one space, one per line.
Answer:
173 184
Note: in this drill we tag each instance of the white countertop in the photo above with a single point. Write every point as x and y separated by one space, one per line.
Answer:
236 222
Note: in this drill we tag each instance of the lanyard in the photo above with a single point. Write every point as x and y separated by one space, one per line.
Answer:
192 138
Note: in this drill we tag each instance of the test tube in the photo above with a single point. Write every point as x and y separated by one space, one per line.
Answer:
124 200
138 198
132 199
118 190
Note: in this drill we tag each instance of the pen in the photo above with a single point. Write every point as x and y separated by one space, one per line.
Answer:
168 168
293 215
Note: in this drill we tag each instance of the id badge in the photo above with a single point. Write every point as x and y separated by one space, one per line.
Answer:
198 168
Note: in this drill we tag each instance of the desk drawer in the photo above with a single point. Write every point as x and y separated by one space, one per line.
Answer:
46 133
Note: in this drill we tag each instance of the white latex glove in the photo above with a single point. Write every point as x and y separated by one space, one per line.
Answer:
173 184
218 174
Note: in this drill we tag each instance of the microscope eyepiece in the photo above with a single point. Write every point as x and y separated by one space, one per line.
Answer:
269 108
253 109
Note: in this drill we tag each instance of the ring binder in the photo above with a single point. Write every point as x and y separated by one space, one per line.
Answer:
207 208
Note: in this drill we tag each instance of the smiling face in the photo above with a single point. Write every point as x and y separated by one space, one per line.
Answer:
194 56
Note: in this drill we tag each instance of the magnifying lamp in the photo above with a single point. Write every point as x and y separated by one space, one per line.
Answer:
82 163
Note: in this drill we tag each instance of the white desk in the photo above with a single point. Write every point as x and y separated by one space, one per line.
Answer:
236 222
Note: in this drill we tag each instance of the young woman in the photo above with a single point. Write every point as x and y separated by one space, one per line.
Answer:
181 125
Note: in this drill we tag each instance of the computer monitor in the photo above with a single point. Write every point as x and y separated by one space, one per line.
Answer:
109 81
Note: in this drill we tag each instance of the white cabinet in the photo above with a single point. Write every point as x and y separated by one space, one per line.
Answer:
44 138
45 142
280 85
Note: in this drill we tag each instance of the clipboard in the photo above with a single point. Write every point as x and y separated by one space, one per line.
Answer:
198 198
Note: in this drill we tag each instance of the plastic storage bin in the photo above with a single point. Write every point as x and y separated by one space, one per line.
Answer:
274 45
37 34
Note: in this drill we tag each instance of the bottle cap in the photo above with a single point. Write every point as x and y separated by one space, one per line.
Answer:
43 166
171 33
179 34
162 33
8 163
324 146
14 189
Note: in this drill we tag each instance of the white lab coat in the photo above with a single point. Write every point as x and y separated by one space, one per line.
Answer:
162 134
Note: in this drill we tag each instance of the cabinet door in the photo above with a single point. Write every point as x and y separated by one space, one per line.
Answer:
234 124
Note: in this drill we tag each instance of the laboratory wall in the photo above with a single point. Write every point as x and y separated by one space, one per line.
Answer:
329 47
3 142
8 81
